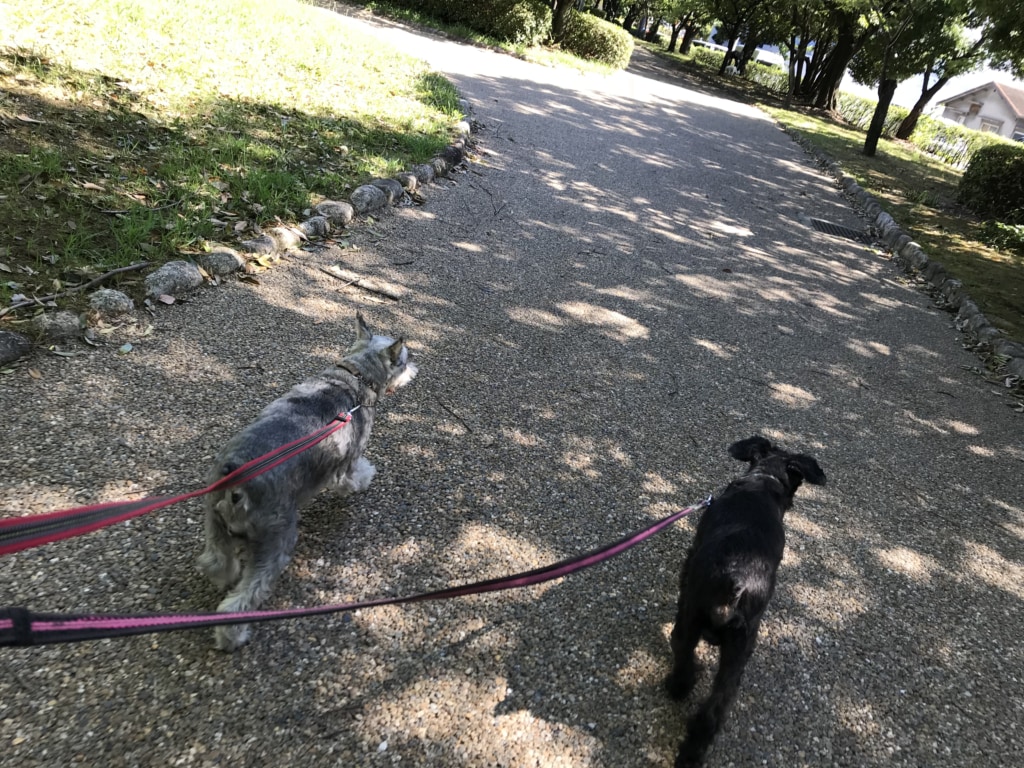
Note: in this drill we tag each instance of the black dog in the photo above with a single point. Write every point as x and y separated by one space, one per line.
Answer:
729 577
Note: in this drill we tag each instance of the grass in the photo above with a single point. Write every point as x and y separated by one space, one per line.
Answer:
918 190
136 130
920 193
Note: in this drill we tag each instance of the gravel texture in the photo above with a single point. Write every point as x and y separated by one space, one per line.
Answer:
618 288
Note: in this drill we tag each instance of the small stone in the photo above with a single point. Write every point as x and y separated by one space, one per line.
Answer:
221 261
57 326
316 226
424 173
111 303
263 245
12 346
408 181
368 198
391 188
337 213
174 278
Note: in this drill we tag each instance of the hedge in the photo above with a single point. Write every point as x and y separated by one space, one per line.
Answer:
589 37
993 184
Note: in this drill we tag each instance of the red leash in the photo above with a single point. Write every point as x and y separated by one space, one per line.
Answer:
18 533
21 627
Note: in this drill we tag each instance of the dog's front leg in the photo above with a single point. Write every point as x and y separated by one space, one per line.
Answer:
268 556
358 477
219 560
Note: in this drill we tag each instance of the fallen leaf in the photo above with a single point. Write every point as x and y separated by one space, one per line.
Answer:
164 298
5 268
90 185
34 373
27 119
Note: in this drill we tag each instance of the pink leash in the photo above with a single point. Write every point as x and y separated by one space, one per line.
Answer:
18 533
21 627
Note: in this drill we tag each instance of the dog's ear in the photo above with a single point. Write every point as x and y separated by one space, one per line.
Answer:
807 468
397 352
751 449
363 332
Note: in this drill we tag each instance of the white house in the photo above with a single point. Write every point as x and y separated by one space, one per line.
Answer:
993 107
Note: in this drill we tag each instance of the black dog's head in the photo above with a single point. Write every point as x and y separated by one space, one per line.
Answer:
790 469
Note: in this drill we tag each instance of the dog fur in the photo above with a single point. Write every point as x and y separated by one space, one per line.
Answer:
728 579
251 530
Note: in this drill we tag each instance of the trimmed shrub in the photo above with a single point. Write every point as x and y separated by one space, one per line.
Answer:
520 22
589 37
527 22
993 184
708 57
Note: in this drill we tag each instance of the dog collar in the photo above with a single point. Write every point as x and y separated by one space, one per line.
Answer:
364 385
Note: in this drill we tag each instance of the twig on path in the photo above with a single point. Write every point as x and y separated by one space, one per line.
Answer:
459 418
366 283
96 281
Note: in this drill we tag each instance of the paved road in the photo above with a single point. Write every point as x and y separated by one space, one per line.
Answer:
616 290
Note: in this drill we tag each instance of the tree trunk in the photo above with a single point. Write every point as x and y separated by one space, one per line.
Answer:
688 37
886 89
677 27
906 129
730 54
838 61
558 19
652 31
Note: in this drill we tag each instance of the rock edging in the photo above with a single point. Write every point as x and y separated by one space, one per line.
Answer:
180 276
913 260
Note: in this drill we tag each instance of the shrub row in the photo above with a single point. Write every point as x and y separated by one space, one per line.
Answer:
993 185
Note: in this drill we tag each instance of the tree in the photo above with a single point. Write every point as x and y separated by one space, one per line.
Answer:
689 17
915 37
884 61
1003 22
953 53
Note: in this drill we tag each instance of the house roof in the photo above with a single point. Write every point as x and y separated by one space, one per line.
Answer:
1013 96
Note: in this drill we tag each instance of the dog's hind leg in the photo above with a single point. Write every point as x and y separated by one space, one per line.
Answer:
269 553
685 635
736 647
219 560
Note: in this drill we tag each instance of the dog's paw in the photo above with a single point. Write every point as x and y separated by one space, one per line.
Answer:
679 685
222 571
230 638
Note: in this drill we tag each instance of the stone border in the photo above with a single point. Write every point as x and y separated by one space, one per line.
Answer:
181 276
913 260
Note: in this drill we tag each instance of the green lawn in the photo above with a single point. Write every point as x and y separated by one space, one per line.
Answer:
920 193
139 130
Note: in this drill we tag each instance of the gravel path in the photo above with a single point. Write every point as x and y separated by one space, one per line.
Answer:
619 288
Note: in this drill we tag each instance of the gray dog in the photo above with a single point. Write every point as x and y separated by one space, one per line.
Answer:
251 529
